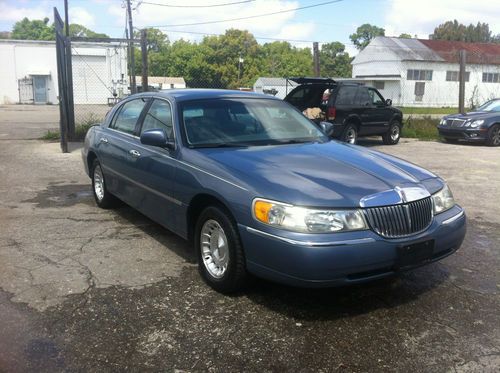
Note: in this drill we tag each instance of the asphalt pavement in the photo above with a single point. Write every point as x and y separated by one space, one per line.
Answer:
85 289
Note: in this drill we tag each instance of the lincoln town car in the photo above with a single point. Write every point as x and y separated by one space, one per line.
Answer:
259 189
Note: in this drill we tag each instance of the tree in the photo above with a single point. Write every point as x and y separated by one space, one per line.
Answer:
453 30
281 59
335 61
405 36
81 31
364 34
33 30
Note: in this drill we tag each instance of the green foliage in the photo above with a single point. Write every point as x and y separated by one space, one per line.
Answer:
51 136
428 110
335 61
404 35
33 30
421 128
453 30
78 30
364 34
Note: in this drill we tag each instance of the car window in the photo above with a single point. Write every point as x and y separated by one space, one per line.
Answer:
346 96
128 115
376 98
245 122
159 116
362 97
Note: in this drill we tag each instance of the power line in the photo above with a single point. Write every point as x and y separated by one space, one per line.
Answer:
198 6
250 17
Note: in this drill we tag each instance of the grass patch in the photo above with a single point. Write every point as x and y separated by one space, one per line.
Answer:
81 129
429 110
421 128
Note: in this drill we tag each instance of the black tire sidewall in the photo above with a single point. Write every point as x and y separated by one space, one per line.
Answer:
346 129
387 136
235 274
489 140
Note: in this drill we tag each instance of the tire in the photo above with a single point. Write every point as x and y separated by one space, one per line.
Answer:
102 197
392 136
493 138
350 134
221 267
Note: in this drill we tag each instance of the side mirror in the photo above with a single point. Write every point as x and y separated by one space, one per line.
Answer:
326 127
388 102
156 137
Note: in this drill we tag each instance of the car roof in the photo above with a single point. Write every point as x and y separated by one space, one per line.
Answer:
307 80
188 94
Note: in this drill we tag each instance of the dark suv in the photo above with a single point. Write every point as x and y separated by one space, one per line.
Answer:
353 109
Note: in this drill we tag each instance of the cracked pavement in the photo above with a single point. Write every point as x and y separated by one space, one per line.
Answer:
84 289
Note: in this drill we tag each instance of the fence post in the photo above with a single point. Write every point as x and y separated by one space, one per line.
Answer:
144 54
133 86
317 71
461 79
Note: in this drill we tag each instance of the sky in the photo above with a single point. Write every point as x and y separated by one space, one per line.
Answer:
334 21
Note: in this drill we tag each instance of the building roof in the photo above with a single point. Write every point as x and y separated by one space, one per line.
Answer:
276 82
388 48
162 80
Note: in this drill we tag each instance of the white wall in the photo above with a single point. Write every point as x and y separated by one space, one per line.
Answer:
96 69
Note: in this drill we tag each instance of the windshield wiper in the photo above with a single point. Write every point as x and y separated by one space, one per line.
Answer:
221 145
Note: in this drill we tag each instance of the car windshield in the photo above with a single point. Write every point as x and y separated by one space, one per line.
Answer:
490 106
246 122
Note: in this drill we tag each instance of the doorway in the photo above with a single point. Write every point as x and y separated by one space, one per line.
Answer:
40 89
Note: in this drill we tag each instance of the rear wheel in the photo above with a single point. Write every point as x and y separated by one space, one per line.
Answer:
350 134
221 261
392 136
493 138
102 197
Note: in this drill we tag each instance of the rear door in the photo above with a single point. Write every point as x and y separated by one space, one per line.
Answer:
366 110
115 149
345 104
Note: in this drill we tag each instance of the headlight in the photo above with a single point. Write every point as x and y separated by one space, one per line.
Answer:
443 200
301 219
443 121
477 123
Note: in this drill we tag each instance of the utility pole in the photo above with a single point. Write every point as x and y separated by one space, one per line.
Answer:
317 71
461 79
133 87
144 54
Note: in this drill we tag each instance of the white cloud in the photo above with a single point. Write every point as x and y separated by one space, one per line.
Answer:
274 26
81 16
11 13
421 17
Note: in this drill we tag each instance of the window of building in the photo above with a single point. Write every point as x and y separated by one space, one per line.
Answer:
419 89
419 75
491 77
379 85
452 76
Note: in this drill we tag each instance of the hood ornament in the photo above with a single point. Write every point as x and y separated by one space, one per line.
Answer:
398 195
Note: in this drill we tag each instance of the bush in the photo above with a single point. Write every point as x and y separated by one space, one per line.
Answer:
421 128
81 129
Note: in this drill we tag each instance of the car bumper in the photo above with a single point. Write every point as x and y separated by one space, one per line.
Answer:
323 260
463 134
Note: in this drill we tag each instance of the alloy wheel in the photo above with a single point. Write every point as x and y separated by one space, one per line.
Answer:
98 183
214 247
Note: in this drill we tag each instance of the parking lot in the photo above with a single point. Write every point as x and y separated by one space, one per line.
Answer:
85 289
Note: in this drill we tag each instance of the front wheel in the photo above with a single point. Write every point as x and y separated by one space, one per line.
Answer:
493 138
221 261
350 134
392 136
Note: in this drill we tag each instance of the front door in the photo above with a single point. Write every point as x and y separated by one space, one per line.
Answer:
40 89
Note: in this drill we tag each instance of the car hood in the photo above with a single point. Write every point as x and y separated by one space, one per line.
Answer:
314 174
474 115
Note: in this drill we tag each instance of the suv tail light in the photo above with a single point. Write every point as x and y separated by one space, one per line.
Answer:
331 113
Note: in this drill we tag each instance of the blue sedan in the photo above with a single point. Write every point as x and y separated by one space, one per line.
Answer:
258 188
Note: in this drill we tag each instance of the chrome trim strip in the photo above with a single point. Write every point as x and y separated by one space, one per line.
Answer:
453 218
182 162
168 198
311 243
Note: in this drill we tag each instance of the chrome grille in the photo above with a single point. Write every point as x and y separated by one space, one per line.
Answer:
400 220
455 122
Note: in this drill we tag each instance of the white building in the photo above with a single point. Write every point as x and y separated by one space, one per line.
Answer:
28 72
417 72
162 82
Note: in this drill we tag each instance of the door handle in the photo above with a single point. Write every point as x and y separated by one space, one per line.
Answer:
134 153
103 140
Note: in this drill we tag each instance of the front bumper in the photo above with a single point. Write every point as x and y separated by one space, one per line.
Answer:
467 134
322 260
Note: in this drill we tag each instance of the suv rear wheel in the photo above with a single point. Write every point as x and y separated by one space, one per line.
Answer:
350 134
392 136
